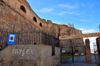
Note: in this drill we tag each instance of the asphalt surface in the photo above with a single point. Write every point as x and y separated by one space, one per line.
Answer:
81 61
78 64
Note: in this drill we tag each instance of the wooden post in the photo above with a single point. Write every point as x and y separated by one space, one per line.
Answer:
88 52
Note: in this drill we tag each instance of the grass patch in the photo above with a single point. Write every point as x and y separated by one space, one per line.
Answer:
70 56
78 55
93 54
66 56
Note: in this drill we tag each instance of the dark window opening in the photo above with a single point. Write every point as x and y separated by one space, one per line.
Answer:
41 24
34 19
34 43
1 4
0 47
23 9
53 50
2 1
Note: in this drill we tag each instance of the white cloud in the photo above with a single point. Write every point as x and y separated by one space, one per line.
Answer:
78 14
83 20
57 22
82 4
62 13
67 6
65 12
87 30
90 5
46 10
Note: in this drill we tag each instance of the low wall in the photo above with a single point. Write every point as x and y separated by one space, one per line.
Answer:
46 56
27 55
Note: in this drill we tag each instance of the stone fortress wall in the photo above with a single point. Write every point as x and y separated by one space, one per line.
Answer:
16 16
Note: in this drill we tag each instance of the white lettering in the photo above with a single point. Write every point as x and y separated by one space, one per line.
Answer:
32 52
27 51
22 51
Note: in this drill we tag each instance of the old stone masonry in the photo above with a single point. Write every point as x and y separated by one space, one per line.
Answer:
38 41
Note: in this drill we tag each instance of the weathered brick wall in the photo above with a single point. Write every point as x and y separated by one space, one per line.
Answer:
26 29
3 40
73 42
18 21
48 39
22 38
17 63
69 44
50 28
13 21
46 57
20 55
29 12
51 62
65 30
14 16
76 44
25 55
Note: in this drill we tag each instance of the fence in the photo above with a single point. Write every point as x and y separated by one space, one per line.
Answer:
25 38
73 54
95 55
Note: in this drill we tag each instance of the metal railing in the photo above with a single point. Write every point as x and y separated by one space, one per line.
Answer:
25 38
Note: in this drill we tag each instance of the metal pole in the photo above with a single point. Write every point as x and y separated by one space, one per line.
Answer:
60 54
72 55
72 51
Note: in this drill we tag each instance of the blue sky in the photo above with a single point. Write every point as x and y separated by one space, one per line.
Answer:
84 14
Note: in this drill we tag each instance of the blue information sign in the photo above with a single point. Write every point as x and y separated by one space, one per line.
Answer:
11 39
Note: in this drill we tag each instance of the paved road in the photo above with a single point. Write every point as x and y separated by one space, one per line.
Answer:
79 64
80 61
